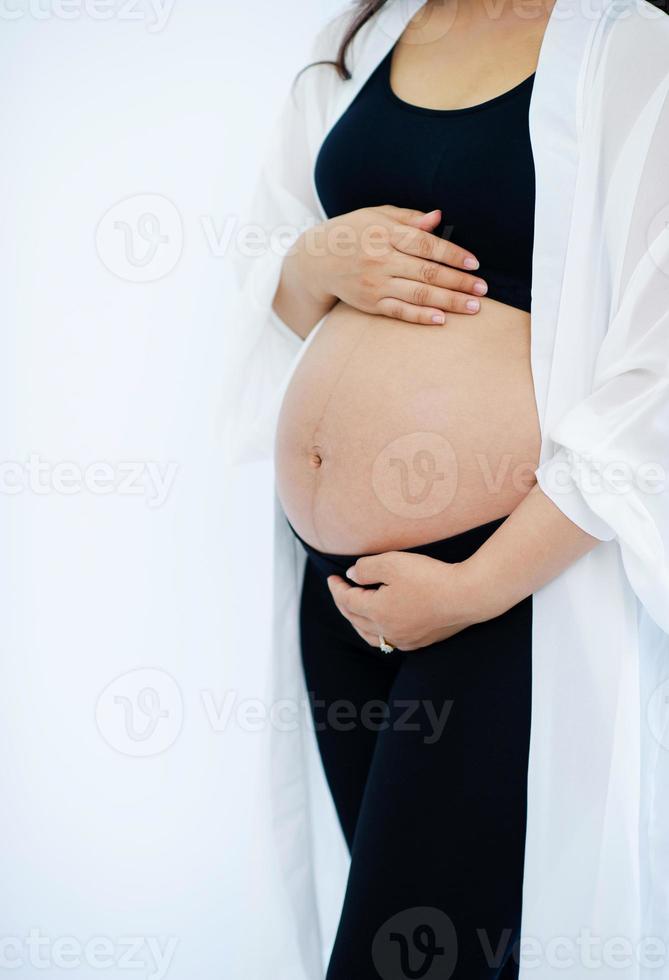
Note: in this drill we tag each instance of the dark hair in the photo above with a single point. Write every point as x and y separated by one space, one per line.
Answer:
365 10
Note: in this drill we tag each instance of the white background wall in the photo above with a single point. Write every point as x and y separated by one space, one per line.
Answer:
116 822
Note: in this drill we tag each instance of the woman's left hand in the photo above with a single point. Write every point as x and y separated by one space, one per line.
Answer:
420 600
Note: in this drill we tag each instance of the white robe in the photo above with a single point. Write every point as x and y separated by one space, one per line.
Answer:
596 880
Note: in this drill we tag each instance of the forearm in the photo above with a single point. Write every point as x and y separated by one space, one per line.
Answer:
299 300
533 545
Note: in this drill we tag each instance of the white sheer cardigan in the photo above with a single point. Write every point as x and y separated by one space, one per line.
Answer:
596 885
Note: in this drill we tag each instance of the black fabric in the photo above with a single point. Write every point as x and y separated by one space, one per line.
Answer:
475 164
425 753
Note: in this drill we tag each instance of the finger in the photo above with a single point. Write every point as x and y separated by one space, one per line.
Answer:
362 623
367 628
339 589
410 216
429 221
419 294
435 274
351 599
413 241
397 309
372 569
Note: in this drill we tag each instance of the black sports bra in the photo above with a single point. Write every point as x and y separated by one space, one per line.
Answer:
474 163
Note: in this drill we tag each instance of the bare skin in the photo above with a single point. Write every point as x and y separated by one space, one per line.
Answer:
381 260
393 434
448 57
422 601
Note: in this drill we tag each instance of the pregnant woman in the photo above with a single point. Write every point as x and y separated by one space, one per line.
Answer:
440 542
410 424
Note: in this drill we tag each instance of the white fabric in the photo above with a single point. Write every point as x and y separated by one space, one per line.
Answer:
596 887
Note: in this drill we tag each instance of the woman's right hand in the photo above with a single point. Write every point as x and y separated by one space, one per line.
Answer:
385 260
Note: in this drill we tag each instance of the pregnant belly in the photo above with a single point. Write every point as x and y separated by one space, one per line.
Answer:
392 435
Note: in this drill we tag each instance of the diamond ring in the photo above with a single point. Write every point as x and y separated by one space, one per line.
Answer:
383 646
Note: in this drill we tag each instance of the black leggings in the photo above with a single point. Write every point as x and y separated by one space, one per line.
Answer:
425 753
